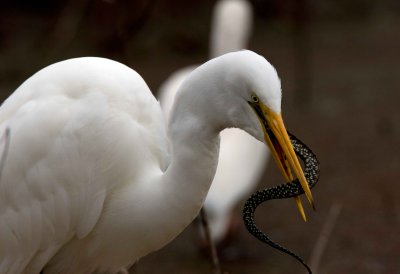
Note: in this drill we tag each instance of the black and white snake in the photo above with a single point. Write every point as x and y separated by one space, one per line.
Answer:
286 190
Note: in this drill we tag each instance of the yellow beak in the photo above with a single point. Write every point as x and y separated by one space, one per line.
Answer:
278 140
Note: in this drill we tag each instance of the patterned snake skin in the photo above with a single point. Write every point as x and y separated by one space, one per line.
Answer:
287 190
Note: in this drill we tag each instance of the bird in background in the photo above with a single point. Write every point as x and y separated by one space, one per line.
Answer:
242 159
94 179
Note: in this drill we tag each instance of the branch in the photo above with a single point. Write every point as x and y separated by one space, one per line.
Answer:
323 238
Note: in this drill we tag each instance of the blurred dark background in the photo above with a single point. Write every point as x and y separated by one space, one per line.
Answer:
338 61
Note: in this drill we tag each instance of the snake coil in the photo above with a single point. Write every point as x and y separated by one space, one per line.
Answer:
283 191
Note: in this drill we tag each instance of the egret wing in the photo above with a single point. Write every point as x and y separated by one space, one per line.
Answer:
71 127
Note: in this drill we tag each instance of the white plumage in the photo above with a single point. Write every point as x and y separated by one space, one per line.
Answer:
242 159
81 130
90 183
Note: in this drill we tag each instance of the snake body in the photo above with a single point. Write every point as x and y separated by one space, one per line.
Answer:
283 191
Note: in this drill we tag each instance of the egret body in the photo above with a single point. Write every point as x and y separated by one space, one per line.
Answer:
92 183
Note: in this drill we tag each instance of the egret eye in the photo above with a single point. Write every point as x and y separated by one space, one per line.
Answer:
255 98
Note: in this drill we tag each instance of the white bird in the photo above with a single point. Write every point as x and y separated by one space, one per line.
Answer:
242 159
92 183
231 25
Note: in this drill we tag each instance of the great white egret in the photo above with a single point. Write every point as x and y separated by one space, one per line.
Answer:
242 159
92 183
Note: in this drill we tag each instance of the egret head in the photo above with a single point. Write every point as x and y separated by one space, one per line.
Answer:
253 83
242 89
263 90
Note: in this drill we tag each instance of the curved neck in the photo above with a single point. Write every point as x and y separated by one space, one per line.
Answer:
195 150
194 125
177 194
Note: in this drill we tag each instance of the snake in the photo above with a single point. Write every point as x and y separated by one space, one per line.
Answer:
283 191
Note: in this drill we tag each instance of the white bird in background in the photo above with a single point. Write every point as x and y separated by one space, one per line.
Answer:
242 159
90 183
231 25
